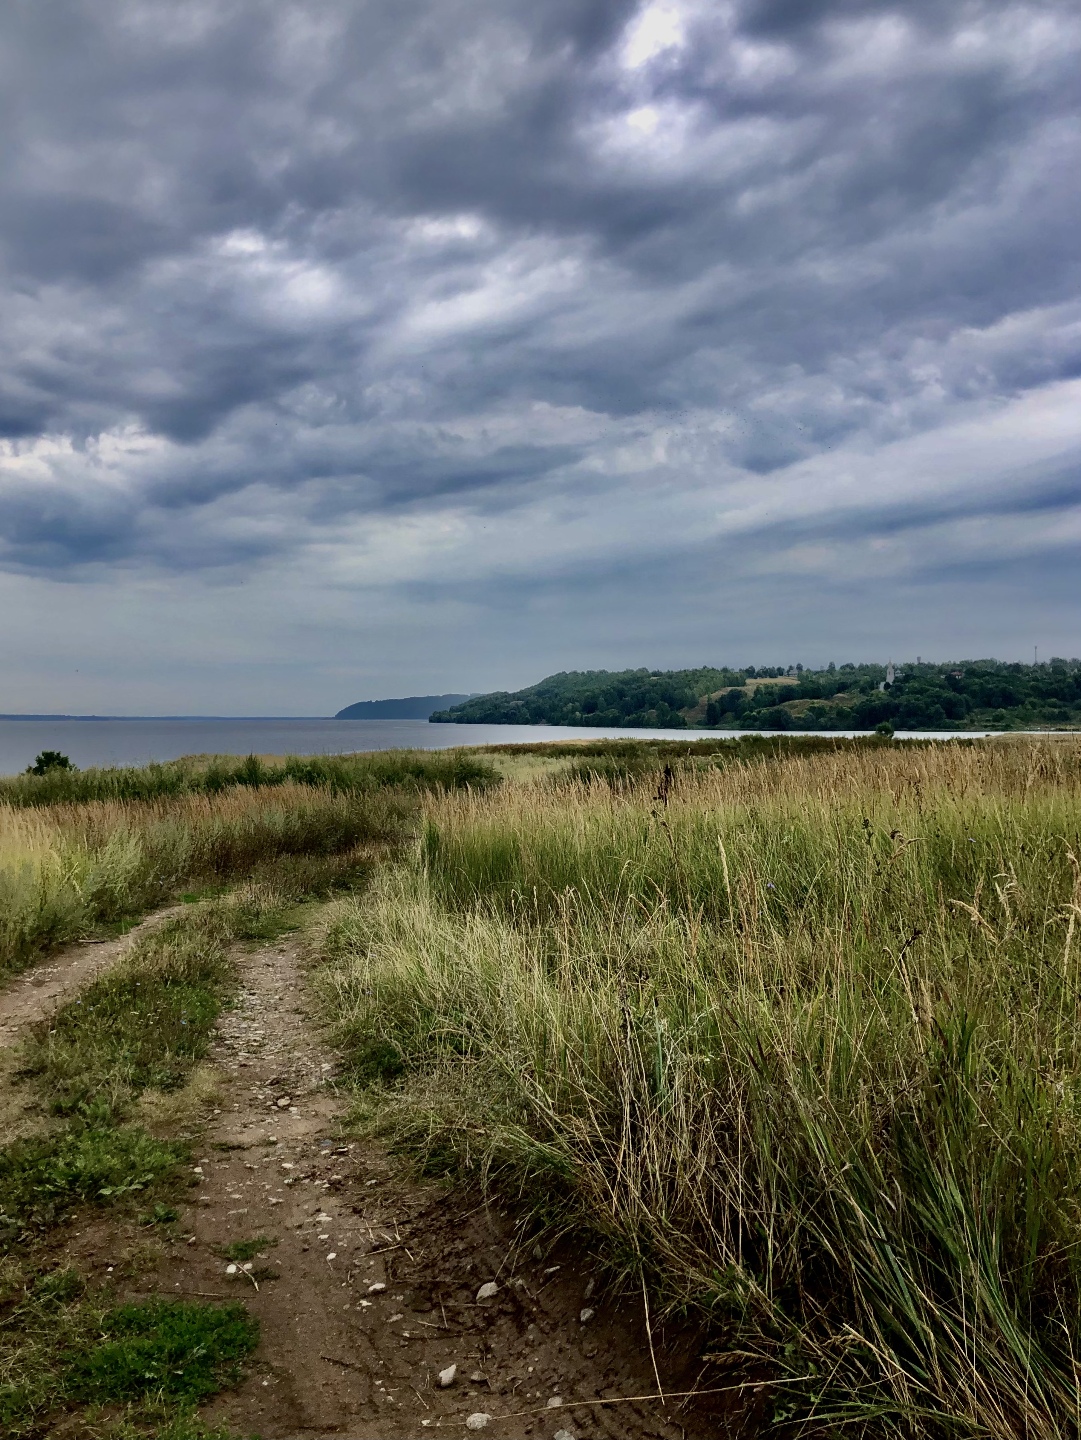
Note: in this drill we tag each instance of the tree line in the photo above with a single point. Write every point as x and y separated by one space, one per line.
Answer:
956 695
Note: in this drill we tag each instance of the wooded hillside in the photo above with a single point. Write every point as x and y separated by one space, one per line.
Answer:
959 695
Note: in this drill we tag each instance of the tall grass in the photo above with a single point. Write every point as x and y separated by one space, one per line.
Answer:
211 775
69 868
802 1046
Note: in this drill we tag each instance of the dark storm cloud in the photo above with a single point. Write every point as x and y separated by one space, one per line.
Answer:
281 275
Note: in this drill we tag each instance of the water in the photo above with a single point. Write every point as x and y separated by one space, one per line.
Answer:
136 741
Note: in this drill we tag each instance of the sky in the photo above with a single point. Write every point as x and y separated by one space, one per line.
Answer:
355 348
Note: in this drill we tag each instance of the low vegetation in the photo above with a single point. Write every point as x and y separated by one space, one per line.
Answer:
137 1031
795 1042
79 850
144 1365
965 695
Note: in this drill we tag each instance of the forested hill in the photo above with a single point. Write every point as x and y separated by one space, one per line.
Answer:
409 707
961 695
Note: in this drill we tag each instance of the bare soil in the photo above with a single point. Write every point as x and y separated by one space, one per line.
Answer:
366 1280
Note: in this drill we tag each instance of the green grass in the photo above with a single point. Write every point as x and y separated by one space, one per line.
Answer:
145 1022
352 775
144 1365
163 1349
799 1047
140 1027
42 1179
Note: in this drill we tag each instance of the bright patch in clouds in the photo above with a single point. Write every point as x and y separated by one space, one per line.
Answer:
659 27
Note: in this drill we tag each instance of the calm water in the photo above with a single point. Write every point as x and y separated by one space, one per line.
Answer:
134 742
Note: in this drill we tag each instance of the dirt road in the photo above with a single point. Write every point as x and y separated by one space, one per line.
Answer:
368 1284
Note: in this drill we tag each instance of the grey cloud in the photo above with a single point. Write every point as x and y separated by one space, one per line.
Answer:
329 259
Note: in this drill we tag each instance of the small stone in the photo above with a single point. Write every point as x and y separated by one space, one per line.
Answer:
477 1420
230 1269
589 1290
587 1314
333 1255
446 1377
284 1103
563 1435
377 1288
487 1290
247 1268
555 1402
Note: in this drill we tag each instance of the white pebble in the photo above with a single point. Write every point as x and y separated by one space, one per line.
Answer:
555 1402
377 1288
587 1314
230 1269
477 1420
446 1377
563 1435
333 1255
487 1290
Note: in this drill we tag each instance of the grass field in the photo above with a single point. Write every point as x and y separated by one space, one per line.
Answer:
82 849
115 1070
796 1042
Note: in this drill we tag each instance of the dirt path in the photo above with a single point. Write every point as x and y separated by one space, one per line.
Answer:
369 1287
31 995
35 993
366 1283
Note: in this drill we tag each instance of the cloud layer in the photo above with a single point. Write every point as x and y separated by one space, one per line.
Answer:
482 338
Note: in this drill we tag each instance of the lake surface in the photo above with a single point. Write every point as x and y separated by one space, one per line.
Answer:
111 741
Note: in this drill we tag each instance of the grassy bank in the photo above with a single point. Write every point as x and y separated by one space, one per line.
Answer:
798 1042
72 859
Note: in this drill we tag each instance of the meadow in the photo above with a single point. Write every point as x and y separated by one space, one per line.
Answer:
795 1046
83 849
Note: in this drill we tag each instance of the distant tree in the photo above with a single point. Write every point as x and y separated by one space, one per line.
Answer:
49 760
885 729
